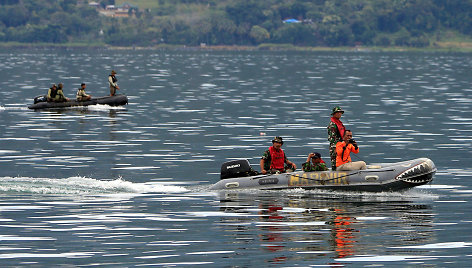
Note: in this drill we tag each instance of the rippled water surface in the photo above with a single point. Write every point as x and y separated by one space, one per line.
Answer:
128 186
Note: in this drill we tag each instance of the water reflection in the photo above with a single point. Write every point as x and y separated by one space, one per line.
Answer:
342 235
318 225
194 110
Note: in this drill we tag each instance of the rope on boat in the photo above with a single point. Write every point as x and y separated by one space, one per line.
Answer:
353 173
298 176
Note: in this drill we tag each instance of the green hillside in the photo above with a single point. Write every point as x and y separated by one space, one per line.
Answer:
143 4
302 23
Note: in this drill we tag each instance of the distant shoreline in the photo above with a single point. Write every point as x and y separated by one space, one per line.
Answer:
438 47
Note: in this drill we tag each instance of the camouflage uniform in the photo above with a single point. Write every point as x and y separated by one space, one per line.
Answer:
333 137
267 161
308 167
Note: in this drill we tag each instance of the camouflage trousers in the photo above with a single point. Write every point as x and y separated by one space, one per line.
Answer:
332 154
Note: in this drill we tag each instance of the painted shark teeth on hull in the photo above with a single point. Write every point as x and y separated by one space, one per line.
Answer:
419 174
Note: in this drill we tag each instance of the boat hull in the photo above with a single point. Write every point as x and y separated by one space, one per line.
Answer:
116 100
379 178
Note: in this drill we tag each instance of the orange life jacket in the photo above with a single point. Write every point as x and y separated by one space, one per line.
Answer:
277 158
340 126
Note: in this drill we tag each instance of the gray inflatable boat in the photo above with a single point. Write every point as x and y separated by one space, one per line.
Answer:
383 177
41 103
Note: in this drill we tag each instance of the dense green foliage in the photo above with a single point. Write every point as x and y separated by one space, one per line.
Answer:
238 22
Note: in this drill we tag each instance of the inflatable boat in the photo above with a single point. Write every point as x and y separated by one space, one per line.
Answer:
41 102
238 174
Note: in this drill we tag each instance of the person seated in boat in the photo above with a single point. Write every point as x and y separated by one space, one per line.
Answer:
314 163
81 95
55 94
274 159
113 83
60 97
52 93
343 154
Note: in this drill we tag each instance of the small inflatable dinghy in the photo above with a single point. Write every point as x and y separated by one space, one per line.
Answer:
398 176
41 103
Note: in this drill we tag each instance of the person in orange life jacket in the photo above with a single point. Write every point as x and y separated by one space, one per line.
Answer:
343 154
274 159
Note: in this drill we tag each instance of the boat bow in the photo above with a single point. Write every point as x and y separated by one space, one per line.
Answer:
421 173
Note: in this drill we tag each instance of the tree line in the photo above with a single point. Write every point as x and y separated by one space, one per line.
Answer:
412 23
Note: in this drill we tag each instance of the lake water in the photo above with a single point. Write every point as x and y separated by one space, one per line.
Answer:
128 186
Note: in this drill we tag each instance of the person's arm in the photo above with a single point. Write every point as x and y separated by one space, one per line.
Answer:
322 167
354 148
262 163
332 130
290 163
110 80
61 93
306 167
115 85
49 95
309 157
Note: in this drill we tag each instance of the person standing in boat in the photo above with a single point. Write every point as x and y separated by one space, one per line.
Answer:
336 131
343 153
81 95
113 83
314 163
274 159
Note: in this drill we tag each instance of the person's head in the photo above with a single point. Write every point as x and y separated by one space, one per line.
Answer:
53 86
347 135
277 142
337 112
83 85
60 85
113 72
316 158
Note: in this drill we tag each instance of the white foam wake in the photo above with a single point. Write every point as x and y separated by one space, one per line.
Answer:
82 186
104 107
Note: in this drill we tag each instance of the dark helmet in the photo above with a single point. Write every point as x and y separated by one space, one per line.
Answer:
278 140
316 155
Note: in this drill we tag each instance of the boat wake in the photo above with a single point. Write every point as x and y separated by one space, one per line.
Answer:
81 186
13 108
99 107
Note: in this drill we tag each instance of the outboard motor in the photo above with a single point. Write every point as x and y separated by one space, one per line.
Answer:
236 168
40 99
